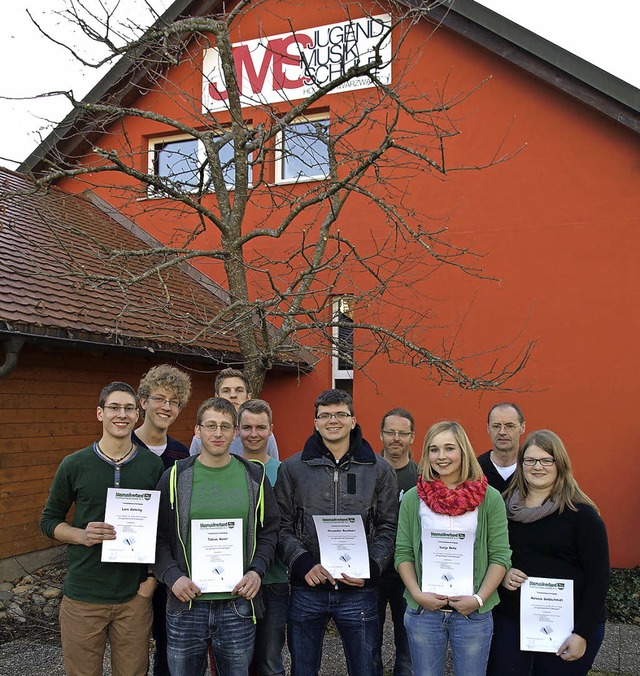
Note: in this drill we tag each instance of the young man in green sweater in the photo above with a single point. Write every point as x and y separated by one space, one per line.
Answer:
202 493
102 599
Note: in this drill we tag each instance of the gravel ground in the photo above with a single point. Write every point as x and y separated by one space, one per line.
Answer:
32 657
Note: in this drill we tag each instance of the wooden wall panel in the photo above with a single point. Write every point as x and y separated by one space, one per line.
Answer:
48 410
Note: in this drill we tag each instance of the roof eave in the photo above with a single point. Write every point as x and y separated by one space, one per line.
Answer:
64 338
556 66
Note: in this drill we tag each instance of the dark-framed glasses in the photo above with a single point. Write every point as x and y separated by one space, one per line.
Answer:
544 462
340 415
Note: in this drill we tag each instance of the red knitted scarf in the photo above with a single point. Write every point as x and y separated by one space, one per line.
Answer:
454 502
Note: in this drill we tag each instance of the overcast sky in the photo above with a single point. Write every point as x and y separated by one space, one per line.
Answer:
604 33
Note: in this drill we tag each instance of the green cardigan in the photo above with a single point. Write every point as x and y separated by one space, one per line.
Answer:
491 545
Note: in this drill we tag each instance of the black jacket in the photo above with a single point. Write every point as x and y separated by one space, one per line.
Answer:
311 483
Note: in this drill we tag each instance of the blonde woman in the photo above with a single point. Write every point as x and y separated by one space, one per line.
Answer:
555 531
452 497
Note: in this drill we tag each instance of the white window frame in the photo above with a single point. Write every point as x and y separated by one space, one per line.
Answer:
338 373
281 156
153 149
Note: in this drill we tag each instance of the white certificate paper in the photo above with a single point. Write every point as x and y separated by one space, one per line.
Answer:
343 545
447 562
134 515
546 613
217 561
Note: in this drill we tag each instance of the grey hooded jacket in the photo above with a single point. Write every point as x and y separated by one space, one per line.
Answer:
173 524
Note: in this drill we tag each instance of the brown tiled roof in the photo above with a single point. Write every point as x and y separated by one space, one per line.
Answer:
53 249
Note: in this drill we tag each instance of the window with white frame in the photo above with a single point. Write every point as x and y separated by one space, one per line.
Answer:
343 346
181 161
303 151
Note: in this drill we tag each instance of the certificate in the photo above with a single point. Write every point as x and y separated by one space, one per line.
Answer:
343 545
217 556
546 613
134 515
447 562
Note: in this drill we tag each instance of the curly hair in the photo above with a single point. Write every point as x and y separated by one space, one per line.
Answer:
168 377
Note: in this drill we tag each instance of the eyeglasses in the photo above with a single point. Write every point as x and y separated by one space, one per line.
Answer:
392 433
225 428
510 427
544 462
340 415
129 409
161 401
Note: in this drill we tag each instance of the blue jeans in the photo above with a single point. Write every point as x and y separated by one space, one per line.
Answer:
429 631
506 658
226 626
270 631
356 616
391 590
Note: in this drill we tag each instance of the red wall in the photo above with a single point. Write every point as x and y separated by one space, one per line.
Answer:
558 224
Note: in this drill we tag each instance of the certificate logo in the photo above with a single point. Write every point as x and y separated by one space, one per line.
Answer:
448 536
546 585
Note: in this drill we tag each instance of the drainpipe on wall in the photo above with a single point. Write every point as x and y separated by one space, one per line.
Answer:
12 348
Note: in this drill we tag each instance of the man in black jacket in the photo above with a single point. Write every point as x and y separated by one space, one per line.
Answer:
505 425
336 473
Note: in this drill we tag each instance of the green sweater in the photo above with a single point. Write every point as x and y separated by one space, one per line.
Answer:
491 545
83 478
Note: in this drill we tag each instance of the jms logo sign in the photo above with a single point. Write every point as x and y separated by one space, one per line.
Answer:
294 65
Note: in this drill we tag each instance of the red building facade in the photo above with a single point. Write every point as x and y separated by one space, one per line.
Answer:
555 225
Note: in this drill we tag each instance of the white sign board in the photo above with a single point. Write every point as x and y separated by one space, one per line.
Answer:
289 66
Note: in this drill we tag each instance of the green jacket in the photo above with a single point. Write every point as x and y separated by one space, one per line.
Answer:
491 545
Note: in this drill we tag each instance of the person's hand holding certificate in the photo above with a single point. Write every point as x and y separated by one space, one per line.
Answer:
343 545
134 515
546 613
216 554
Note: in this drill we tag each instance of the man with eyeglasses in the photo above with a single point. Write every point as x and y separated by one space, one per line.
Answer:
505 425
397 433
337 472
231 384
163 392
214 485
102 599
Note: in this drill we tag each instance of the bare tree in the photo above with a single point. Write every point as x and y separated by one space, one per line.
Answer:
261 192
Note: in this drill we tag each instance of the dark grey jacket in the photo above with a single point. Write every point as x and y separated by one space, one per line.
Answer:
310 483
173 524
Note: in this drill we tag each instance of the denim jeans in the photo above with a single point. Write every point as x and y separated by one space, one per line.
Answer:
225 625
355 614
391 590
506 658
429 631
270 631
